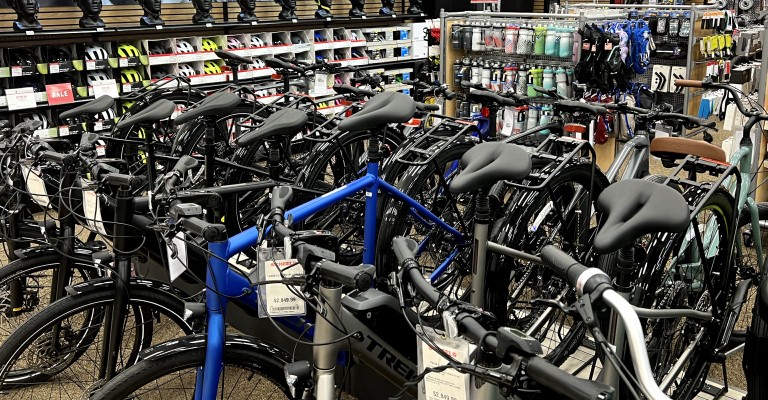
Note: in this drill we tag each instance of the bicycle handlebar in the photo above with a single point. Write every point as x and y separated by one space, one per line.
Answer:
538 369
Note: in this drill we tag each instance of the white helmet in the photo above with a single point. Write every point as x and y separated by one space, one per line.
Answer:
258 63
187 70
182 46
106 115
234 43
95 76
95 52
257 42
35 116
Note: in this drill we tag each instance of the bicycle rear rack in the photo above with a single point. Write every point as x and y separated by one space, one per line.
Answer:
424 146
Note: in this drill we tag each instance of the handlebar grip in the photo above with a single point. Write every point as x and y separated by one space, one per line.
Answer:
562 264
124 180
449 95
88 140
404 248
208 231
281 195
688 83
358 277
184 164
58 158
427 107
553 378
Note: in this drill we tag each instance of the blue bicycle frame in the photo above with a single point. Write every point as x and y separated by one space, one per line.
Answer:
228 283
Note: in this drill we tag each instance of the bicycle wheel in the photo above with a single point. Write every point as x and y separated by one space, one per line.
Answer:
333 164
746 260
69 361
680 273
428 185
561 216
32 276
247 374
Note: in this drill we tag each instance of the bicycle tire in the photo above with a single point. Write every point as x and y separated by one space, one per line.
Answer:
31 267
148 303
146 372
747 260
517 232
395 218
654 288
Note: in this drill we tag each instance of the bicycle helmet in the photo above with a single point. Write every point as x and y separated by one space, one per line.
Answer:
95 76
209 45
186 70
259 63
211 67
158 48
257 42
159 72
234 43
130 75
182 46
35 116
23 58
296 39
319 37
127 50
58 55
95 52
106 115
29 81
62 78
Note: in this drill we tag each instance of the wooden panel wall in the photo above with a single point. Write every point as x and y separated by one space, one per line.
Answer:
179 14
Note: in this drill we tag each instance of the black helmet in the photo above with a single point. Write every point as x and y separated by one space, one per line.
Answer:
58 55
62 78
22 58
28 81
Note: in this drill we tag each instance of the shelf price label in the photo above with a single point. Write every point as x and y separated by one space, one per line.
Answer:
106 87
21 98
60 93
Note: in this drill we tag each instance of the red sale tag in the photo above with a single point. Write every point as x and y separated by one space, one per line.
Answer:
60 93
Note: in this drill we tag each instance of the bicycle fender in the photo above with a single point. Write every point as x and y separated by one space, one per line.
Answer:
196 342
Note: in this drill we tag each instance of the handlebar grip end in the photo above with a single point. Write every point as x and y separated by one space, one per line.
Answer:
689 83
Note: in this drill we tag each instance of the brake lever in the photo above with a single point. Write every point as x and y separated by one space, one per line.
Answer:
552 303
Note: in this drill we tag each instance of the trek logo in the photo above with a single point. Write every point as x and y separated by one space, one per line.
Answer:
394 363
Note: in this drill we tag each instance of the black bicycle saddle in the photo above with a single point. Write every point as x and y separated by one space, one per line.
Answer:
159 110
382 109
219 104
285 122
636 207
101 104
487 163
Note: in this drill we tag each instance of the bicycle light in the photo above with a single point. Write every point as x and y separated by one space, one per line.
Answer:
298 375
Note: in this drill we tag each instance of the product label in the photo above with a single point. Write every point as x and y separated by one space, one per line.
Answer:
35 186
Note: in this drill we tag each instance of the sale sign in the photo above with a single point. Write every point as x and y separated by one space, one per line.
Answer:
60 93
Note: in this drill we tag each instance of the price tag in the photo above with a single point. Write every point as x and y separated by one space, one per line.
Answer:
449 384
277 299
98 125
53 68
101 150
177 261
19 99
106 87
35 186
123 62
321 84
60 93
92 211
90 64
63 130
17 71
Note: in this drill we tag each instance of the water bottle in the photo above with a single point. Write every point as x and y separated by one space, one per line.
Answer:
566 43
488 37
476 72
550 42
533 117
466 70
521 119
546 117
510 39
478 43
467 39
562 82
498 36
497 76
485 79
548 81
539 38
524 41
569 82
509 79
457 73
456 37
522 81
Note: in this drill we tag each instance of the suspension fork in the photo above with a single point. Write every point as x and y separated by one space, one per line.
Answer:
116 313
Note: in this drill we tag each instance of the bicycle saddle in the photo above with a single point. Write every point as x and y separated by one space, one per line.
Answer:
161 109
675 148
357 92
27 126
285 122
571 106
382 109
487 163
636 207
219 104
101 104
485 97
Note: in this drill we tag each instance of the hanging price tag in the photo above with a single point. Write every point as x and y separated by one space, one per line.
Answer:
177 261
277 299
19 99
321 84
449 384
123 62
53 68
35 186
105 88
92 211
63 130
60 93
90 64
17 71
